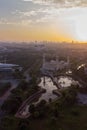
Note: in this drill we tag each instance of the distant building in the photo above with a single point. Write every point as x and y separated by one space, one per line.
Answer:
7 70
12 67
54 65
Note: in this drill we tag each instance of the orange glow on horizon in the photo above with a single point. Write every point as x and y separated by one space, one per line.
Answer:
32 35
46 24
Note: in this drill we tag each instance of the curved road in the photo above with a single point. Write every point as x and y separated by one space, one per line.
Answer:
25 103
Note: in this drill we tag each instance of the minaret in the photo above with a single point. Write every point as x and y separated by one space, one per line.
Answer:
57 63
5 60
44 82
68 60
44 61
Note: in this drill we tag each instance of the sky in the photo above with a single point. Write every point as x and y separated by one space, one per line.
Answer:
50 20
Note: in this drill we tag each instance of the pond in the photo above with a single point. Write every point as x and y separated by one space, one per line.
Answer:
66 81
47 84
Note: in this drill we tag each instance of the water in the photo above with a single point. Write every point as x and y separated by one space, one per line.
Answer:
49 86
66 81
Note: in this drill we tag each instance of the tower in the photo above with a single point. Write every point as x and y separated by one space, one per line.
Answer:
44 82
44 61
5 60
57 63
68 60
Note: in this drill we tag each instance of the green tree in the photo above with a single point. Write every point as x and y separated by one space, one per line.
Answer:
32 108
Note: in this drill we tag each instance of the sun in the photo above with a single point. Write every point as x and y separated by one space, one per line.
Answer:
75 20
81 28
80 25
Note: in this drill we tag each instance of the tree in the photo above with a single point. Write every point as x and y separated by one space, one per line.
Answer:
36 114
52 123
42 103
69 96
50 100
11 105
32 108
23 85
23 125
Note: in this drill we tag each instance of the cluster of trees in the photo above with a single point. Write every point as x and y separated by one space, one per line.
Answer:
56 111
80 73
39 110
4 87
23 125
11 105
11 123
52 112
18 74
69 96
35 69
18 95
13 102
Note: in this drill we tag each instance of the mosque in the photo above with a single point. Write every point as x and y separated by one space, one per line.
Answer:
54 65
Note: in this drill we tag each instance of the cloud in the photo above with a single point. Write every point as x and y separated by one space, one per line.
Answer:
60 3
41 15
23 14
26 22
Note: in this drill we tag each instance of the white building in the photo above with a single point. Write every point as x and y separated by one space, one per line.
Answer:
5 66
54 65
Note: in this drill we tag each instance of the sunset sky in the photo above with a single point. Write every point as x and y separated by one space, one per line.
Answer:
54 20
